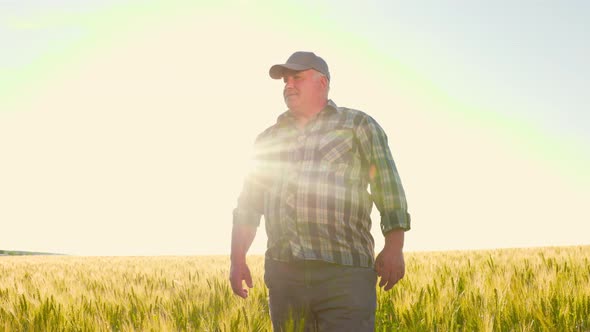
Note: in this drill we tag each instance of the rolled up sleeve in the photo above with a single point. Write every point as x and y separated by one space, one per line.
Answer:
250 208
243 216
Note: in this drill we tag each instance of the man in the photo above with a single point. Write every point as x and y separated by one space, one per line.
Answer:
314 167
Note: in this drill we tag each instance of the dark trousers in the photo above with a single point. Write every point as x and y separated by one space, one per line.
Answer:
320 296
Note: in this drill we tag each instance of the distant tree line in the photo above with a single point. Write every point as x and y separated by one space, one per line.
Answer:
22 253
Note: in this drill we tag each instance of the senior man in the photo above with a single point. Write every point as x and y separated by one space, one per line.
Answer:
313 170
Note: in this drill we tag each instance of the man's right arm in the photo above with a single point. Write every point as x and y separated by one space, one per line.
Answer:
246 219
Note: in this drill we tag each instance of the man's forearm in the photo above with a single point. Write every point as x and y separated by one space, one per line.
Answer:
242 237
394 240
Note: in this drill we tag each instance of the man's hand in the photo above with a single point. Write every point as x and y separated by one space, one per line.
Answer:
390 266
238 273
242 237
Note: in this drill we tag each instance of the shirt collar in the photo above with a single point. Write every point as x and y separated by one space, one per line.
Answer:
331 106
287 116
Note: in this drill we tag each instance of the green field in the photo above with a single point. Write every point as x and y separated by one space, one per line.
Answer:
545 289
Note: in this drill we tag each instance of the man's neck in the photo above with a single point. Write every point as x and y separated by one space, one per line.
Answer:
305 114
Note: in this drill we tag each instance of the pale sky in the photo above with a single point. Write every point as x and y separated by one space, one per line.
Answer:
126 126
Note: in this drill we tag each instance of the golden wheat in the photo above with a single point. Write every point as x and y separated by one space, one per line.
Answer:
545 289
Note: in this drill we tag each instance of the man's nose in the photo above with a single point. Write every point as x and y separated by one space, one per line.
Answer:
288 82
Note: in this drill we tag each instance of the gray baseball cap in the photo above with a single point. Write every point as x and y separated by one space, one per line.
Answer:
300 61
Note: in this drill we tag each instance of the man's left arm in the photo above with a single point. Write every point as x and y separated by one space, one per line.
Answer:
390 265
389 198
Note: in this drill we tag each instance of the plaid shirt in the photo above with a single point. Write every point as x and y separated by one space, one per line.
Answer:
311 186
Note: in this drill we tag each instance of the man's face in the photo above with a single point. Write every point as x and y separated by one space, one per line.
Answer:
302 88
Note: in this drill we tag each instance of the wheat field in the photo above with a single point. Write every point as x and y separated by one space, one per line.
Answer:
542 289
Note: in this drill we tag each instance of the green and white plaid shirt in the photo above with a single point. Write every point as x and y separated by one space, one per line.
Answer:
311 186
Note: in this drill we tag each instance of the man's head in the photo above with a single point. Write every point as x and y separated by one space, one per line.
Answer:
307 81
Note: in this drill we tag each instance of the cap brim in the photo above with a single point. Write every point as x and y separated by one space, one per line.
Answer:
276 71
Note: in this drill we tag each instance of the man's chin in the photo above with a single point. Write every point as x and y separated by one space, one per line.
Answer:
290 102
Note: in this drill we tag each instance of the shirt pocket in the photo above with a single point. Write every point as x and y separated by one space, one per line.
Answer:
336 146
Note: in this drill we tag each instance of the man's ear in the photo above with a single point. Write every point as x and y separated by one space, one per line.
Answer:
324 81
